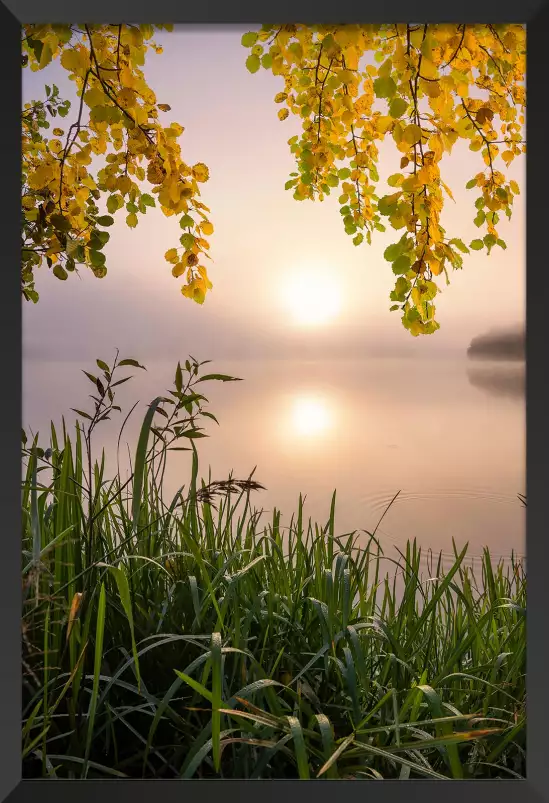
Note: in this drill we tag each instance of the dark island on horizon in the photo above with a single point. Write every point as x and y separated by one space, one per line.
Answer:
508 345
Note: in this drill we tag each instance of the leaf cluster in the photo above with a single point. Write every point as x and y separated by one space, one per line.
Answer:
425 87
117 119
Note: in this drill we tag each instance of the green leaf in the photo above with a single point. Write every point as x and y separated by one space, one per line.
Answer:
97 259
147 200
219 377
186 222
114 202
344 173
193 433
249 39
60 222
187 240
460 244
178 378
395 179
266 61
99 272
397 107
401 264
386 205
253 63
471 184
134 363
385 87
392 252
82 413
102 365
105 220
476 245
402 286
60 273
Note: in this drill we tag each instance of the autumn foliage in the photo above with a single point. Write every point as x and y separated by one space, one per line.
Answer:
425 87
118 118
422 86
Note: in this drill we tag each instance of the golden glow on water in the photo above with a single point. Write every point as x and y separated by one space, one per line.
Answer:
311 416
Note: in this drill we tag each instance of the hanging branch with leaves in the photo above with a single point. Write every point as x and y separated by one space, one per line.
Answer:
424 86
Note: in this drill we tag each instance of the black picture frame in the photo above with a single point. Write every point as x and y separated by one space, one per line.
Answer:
535 15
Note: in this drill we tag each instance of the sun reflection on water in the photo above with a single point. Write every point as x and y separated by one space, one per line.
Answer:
311 416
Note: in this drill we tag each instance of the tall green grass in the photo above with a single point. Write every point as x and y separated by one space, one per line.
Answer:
193 638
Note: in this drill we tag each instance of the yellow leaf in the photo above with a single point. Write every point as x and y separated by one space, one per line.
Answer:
179 269
435 144
207 228
56 146
127 98
196 289
40 177
200 172
412 134
448 190
124 184
45 56
82 195
131 220
71 60
283 114
346 76
171 255
174 191
127 77
95 97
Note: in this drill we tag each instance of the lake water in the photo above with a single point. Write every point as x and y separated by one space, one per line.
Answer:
448 434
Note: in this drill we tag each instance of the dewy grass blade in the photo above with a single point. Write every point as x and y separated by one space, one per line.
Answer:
336 754
328 746
99 633
217 675
125 599
300 748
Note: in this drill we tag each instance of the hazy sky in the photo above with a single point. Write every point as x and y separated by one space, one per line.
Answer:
264 240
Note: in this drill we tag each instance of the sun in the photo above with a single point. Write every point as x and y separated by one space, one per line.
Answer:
313 299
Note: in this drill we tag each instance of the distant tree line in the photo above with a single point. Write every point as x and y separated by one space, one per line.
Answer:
500 346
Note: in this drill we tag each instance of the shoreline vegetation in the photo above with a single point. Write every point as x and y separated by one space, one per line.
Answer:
190 638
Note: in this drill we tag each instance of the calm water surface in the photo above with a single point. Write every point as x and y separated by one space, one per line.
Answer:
448 434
